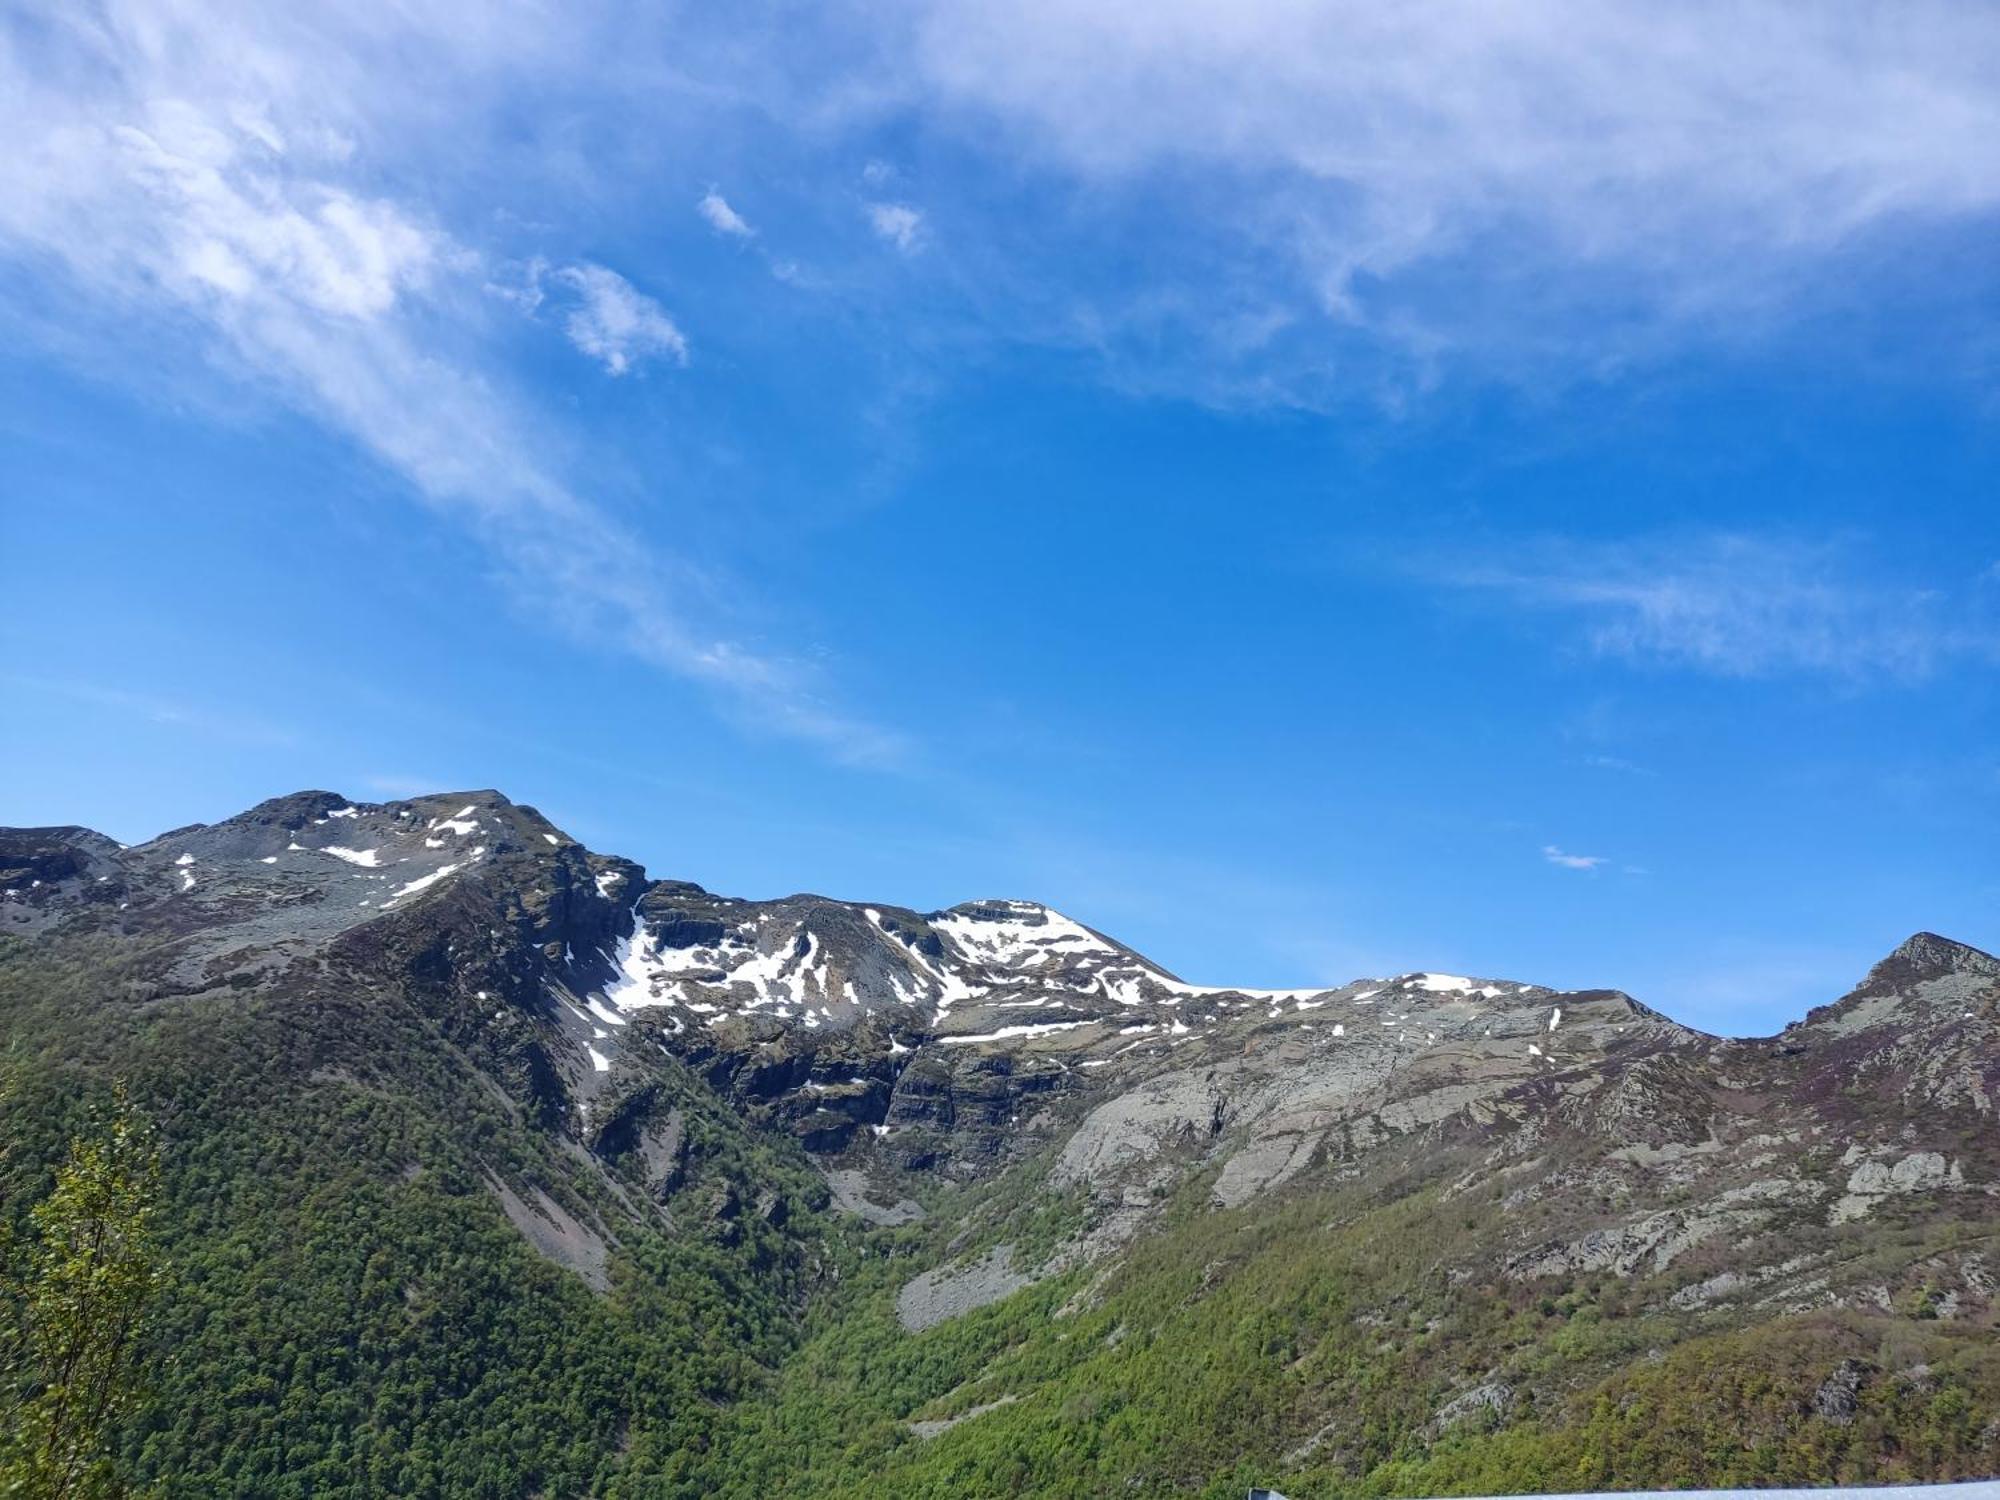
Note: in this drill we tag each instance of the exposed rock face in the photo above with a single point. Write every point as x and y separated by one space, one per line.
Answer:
555 1232
1837 1399
903 1048
45 871
1484 1403
1874 1179
951 1290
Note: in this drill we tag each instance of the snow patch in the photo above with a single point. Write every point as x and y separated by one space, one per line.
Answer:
367 858
1442 984
635 960
951 986
1048 1028
422 883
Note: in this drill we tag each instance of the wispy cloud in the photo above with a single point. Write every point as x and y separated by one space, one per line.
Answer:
617 324
1738 605
1424 170
898 223
207 721
721 217
207 176
1617 763
1556 856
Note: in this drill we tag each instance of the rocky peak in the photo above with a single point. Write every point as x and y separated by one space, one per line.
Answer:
1929 984
1925 955
294 811
1925 965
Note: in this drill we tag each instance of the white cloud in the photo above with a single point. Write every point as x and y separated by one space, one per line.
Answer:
1740 605
616 323
198 175
1310 202
154 197
1336 198
1556 856
721 217
1653 135
898 223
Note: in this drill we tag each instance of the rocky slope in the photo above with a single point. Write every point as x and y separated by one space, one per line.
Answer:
1020 1099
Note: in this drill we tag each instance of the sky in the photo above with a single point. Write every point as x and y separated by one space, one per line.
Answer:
1311 490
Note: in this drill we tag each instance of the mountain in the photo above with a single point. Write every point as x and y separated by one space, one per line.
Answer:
498 1167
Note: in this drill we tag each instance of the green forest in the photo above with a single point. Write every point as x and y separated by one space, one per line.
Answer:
320 1297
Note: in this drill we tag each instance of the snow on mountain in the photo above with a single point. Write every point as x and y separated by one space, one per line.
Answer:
960 1040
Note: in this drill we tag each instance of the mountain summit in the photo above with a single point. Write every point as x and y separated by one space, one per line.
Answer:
984 1132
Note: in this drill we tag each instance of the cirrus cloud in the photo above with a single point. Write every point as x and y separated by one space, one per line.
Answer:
1703 151
1738 605
216 175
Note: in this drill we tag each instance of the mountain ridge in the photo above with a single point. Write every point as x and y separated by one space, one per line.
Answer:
1007 1158
310 807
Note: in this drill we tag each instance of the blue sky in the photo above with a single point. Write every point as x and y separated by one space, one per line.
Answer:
1309 490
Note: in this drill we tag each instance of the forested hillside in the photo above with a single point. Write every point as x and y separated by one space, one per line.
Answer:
536 1177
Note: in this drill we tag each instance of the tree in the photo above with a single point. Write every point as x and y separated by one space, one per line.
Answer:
89 1284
